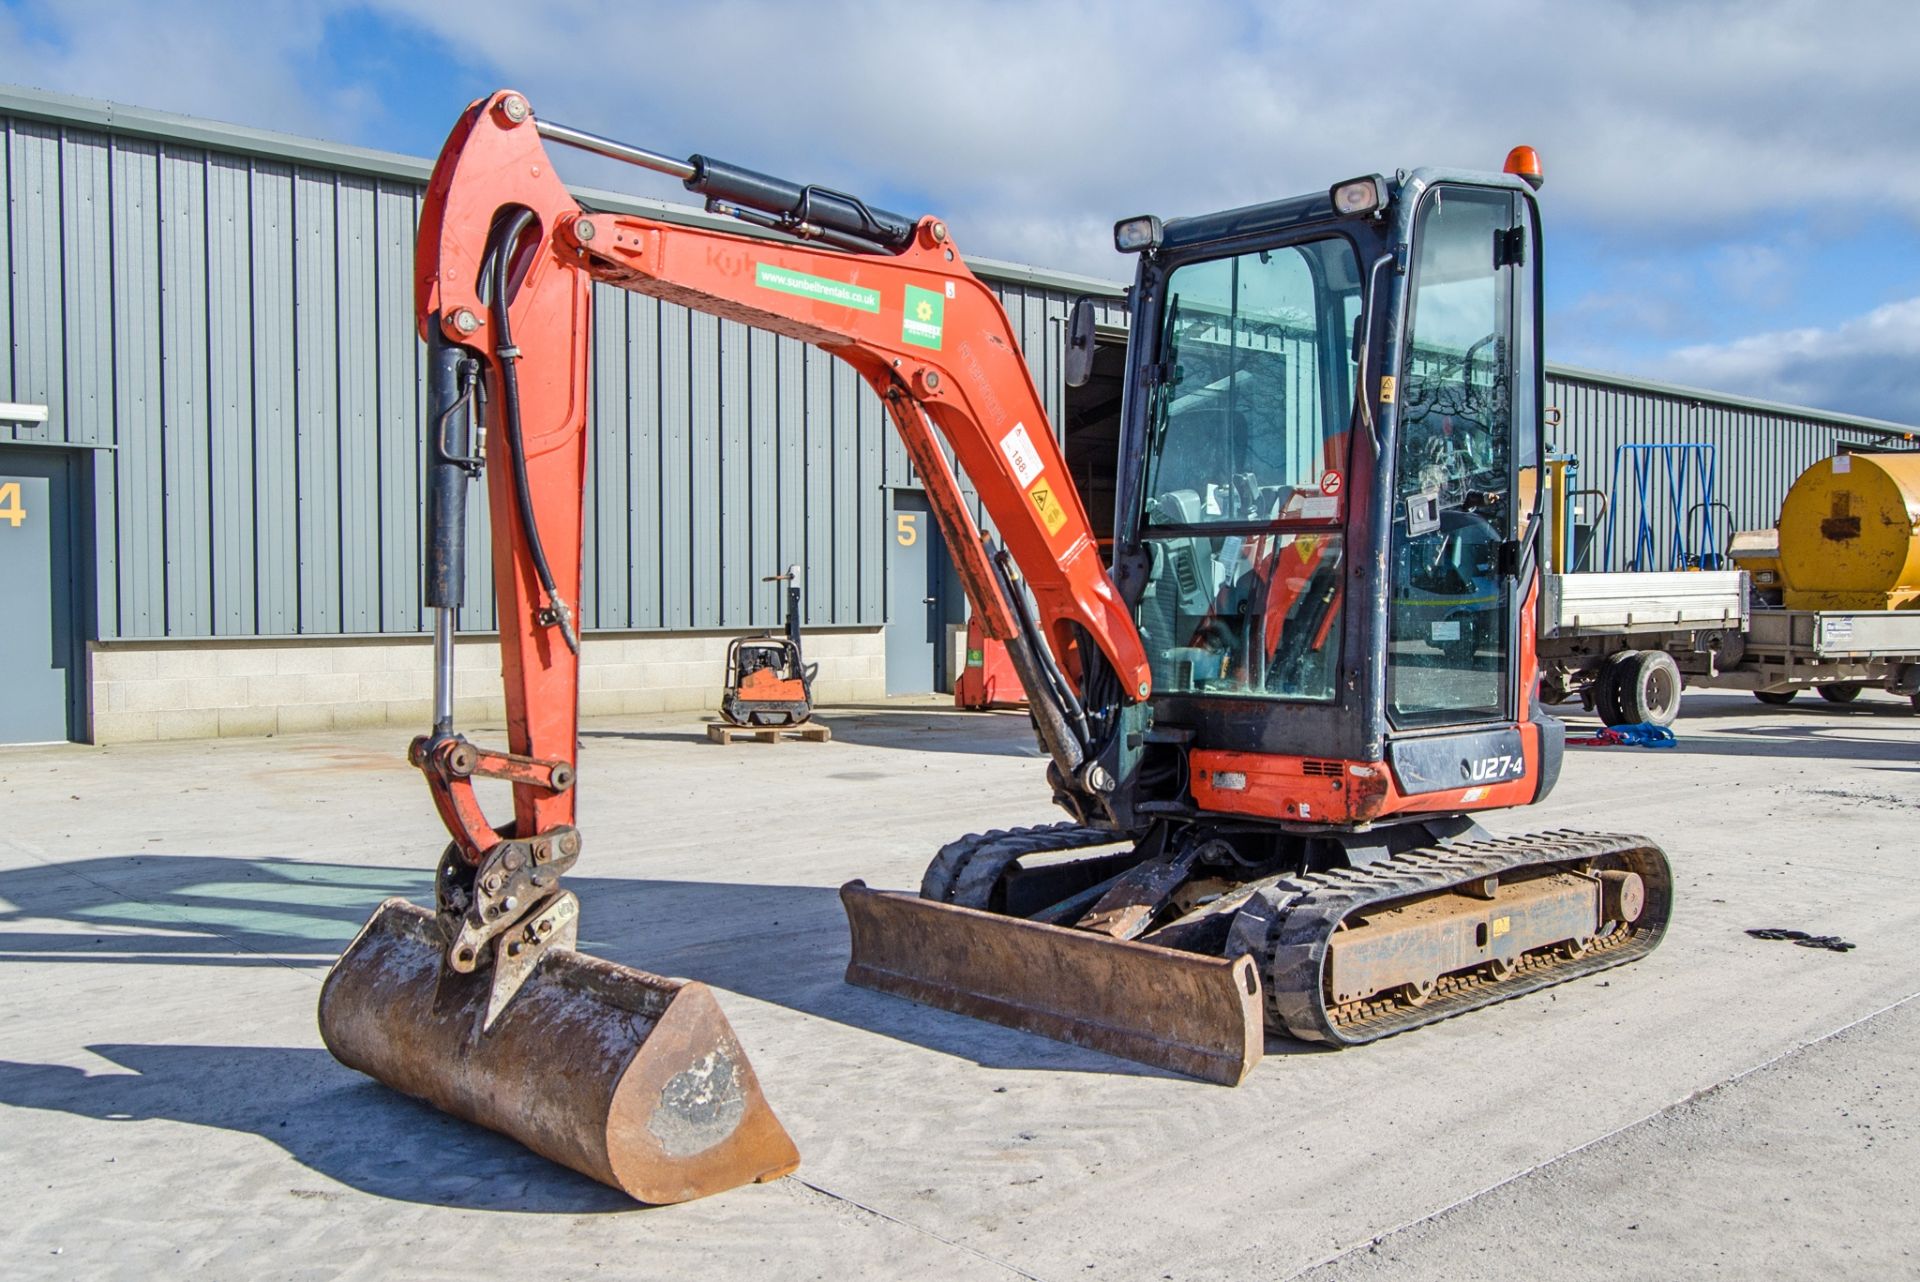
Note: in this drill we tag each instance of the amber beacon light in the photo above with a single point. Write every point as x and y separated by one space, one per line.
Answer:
1524 162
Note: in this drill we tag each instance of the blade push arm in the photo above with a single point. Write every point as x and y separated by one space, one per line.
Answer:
505 268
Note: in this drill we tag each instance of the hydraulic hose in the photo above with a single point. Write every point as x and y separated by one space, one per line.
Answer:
500 258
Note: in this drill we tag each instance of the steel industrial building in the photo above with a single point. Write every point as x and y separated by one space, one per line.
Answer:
210 381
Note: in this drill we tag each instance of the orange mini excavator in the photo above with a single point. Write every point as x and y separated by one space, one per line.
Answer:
1269 747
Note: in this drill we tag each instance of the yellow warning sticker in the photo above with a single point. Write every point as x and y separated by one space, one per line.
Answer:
1501 925
1386 389
1053 514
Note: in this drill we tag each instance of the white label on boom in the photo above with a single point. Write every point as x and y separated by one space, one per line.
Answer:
1018 447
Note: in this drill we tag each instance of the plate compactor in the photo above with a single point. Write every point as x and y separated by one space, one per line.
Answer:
1269 743
769 681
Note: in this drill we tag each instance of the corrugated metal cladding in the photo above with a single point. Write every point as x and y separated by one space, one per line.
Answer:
1758 451
236 325
224 316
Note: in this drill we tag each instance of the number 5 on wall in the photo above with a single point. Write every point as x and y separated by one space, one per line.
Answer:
906 530
10 509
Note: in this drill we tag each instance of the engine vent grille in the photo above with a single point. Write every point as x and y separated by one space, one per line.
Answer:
1325 769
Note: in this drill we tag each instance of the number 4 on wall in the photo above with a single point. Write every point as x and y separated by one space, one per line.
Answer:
10 509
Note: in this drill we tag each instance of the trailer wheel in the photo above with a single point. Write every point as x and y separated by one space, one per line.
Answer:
1840 692
1606 688
1778 698
1647 689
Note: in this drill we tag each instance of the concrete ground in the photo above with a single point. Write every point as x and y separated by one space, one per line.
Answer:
1728 1107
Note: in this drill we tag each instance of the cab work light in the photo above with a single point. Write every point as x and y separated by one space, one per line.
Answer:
1358 196
1132 235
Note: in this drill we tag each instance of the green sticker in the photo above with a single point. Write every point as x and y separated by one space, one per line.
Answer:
976 659
920 323
767 276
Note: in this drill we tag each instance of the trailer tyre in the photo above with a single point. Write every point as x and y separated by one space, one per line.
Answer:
1606 688
1647 689
1839 692
1777 698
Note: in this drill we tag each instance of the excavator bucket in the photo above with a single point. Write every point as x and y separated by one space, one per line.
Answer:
633 1079
1185 1012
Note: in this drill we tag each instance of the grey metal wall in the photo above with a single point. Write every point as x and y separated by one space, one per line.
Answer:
223 317
228 314
1758 449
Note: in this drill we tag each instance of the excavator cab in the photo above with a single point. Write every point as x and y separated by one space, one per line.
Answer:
1332 425
1326 517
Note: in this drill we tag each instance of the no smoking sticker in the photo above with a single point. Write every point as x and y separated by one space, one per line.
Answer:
1330 482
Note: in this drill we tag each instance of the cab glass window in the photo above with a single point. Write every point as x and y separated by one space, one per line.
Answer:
1245 466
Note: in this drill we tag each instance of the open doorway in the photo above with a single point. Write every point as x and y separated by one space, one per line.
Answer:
1090 439
1090 432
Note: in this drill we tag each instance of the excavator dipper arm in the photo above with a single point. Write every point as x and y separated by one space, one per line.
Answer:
505 271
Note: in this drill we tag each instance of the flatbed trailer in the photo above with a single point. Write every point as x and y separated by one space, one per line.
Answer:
1625 644
1620 642
1836 653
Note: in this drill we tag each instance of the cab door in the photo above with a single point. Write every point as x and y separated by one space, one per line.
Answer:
1466 380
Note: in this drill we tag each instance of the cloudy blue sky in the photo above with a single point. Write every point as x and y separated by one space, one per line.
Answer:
1732 195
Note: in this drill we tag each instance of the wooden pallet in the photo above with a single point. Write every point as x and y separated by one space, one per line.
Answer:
810 731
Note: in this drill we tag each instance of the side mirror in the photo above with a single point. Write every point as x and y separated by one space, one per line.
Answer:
1079 364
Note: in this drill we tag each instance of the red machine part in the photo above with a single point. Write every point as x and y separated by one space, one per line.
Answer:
930 339
492 165
988 679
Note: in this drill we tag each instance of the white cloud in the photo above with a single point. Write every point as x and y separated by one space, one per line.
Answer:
1698 132
1032 124
235 60
1863 366
1019 120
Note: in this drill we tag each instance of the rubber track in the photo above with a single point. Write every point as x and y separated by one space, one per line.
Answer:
1301 913
967 869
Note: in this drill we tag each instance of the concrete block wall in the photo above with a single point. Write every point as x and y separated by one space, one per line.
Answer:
206 689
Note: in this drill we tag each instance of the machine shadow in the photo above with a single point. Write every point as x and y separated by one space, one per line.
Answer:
791 949
1824 734
786 945
912 728
327 1118
1818 743
933 729
648 736
211 910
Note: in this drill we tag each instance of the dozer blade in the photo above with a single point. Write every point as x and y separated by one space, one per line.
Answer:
1186 1012
635 1080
